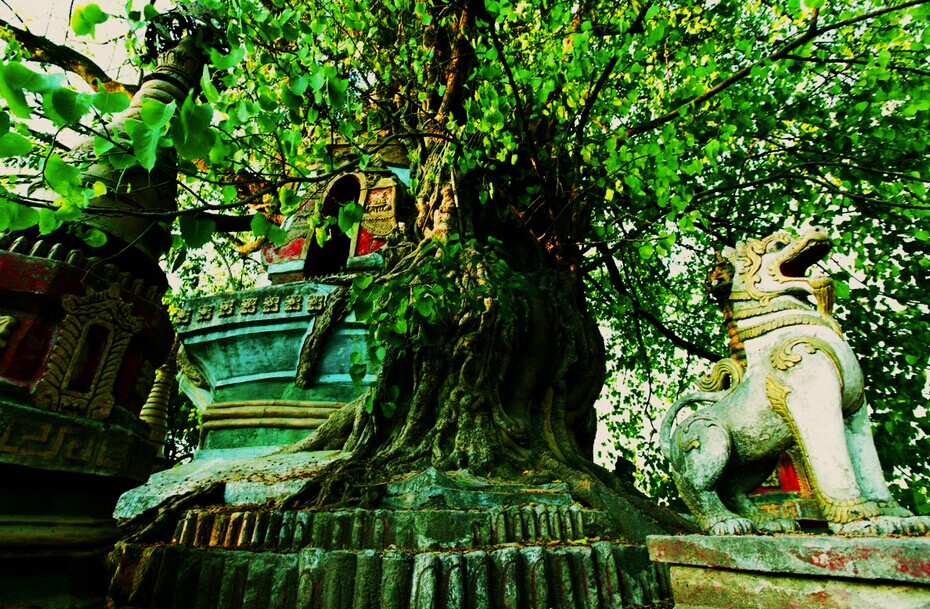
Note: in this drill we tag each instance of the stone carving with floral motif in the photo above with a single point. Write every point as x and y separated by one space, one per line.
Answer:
791 380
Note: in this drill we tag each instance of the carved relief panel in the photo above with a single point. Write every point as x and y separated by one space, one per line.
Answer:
87 354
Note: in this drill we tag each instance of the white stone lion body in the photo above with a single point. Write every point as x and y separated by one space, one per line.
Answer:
793 381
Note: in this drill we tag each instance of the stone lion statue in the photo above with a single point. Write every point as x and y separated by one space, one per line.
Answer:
792 380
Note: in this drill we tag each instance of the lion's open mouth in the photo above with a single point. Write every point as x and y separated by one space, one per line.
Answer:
810 250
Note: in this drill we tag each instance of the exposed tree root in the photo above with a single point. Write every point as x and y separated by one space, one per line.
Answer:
507 394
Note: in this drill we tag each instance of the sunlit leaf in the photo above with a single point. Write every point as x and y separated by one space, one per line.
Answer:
86 18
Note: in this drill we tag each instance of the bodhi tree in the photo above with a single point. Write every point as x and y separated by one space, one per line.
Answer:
573 168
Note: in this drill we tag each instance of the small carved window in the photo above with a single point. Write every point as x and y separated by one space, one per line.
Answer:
85 365
332 257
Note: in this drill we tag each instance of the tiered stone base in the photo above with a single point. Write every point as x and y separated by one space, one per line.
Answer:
814 572
521 557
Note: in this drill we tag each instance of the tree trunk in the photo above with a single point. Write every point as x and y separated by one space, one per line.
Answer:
507 391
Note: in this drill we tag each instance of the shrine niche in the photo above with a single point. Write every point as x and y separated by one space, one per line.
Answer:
787 493
379 194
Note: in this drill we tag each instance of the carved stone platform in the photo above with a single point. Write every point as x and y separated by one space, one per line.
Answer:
815 572
438 540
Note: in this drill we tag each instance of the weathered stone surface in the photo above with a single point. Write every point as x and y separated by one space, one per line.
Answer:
697 588
460 490
509 577
796 571
899 559
41 439
427 529
269 472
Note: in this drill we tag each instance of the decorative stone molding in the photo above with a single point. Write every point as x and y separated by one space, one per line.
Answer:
7 323
227 308
249 306
87 354
316 303
40 439
271 304
205 313
293 302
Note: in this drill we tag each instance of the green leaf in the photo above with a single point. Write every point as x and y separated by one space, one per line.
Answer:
299 85
149 11
424 306
15 79
13 144
350 215
102 146
48 221
85 19
259 225
156 114
94 237
207 86
336 89
109 103
358 371
224 62
277 235
196 230
26 217
388 409
318 79
421 11
61 176
65 107
4 122
263 227
192 134
144 143
842 289
361 282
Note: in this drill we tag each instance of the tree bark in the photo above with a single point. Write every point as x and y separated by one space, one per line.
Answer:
45 51
507 391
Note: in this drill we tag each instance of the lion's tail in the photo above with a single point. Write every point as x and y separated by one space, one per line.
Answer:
665 432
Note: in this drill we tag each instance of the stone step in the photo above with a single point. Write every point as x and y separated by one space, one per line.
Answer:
602 575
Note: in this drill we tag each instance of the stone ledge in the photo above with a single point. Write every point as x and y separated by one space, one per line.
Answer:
869 558
698 588
819 572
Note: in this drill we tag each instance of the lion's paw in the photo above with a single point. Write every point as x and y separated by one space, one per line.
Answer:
893 508
732 526
915 525
778 525
878 526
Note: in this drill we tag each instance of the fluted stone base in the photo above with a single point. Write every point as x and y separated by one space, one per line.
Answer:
520 557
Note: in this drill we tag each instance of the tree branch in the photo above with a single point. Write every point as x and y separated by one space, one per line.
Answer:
811 33
45 51
616 282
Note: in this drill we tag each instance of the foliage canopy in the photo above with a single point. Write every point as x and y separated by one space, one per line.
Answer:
626 142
